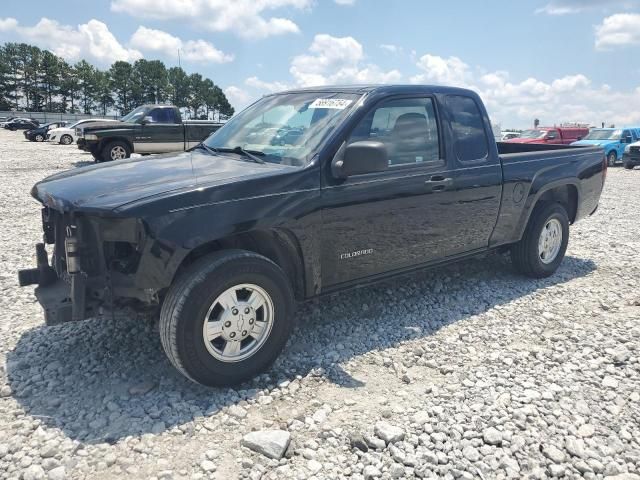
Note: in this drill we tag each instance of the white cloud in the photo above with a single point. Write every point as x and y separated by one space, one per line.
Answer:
91 40
345 2
238 97
158 41
256 83
245 18
337 60
7 24
445 71
390 48
567 7
618 30
516 103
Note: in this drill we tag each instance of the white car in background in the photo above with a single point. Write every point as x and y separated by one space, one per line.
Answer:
67 135
508 135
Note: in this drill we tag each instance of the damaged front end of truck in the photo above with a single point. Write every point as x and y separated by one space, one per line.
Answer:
94 265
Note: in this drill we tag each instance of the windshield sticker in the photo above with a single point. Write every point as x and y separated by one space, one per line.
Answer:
334 103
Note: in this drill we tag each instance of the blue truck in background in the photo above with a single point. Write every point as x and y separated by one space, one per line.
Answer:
612 140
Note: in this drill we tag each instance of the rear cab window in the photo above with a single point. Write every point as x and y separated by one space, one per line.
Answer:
467 125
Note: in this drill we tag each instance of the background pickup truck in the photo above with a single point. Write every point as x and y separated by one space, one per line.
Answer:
147 129
552 135
612 140
222 240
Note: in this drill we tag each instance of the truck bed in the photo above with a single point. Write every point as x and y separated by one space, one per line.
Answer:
528 169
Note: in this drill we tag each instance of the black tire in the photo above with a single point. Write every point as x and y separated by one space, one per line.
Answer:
39 138
185 308
629 165
612 158
107 151
524 254
66 139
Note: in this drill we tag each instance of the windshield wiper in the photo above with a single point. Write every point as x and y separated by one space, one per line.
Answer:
206 147
253 154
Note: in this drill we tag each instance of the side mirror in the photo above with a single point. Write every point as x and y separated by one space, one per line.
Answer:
358 158
147 119
628 139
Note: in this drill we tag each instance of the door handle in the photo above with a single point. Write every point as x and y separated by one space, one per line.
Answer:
438 183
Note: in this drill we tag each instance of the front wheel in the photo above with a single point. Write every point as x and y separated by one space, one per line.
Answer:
541 250
117 150
612 158
227 317
66 139
628 165
39 138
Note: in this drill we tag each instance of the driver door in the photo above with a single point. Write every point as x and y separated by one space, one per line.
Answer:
160 133
375 223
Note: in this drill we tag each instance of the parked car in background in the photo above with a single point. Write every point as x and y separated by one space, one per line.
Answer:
552 135
612 140
147 129
67 135
222 241
631 157
508 135
21 124
39 134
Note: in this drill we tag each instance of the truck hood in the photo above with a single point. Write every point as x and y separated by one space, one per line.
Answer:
90 126
105 187
595 143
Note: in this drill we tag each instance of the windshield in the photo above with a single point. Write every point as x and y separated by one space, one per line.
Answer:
533 134
598 134
134 115
286 128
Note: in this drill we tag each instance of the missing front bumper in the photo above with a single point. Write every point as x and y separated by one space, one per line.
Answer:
61 301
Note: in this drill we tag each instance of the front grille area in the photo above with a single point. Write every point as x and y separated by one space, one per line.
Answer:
56 227
635 150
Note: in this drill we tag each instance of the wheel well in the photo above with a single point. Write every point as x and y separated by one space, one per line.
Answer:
566 195
278 247
107 141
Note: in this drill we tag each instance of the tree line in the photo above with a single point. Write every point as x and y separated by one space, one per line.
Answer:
37 80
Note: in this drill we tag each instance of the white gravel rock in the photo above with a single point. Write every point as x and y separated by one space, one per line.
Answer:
389 433
270 443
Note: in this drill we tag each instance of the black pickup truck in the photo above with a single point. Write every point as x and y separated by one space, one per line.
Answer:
222 240
147 129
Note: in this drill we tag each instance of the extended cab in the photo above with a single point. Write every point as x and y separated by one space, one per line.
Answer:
551 135
147 129
222 240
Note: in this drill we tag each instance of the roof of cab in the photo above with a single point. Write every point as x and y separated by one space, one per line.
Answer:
389 89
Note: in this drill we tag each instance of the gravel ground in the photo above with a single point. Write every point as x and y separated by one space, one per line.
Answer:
468 371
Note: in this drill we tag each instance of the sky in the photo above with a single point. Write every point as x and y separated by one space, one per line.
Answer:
555 60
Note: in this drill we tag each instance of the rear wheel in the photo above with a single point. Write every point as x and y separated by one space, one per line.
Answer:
612 158
66 139
39 138
116 150
544 243
227 317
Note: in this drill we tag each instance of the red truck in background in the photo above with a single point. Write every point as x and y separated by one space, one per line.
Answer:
553 135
